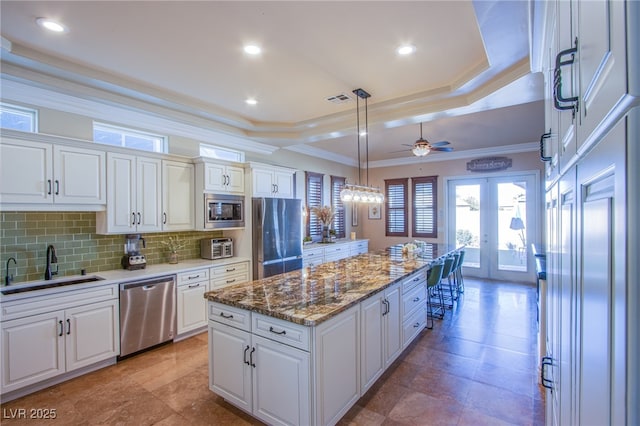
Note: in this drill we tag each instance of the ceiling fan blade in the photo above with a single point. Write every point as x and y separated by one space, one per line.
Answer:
441 143
443 149
406 144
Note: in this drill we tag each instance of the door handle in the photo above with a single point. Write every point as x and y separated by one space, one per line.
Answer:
542 138
49 185
546 360
251 357
164 218
139 215
57 187
272 330
68 326
558 99
133 215
244 357
61 328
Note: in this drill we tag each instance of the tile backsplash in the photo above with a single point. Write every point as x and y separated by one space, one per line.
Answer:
26 235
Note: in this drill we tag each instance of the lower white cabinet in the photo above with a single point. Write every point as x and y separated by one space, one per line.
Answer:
192 306
266 378
414 307
315 255
228 274
39 347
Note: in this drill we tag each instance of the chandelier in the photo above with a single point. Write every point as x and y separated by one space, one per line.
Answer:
362 193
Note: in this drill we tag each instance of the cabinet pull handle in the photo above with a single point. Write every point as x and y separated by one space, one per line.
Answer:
194 285
416 279
231 269
277 188
386 307
61 328
231 281
193 277
416 325
139 217
49 184
68 326
417 299
226 316
283 332
546 360
164 218
251 357
57 187
542 138
558 99
244 357
133 215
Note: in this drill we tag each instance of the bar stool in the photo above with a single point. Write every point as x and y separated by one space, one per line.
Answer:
447 270
434 290
458 273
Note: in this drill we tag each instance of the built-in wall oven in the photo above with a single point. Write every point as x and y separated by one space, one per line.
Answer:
223 211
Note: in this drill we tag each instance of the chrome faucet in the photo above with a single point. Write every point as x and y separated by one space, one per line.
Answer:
51 258
8 278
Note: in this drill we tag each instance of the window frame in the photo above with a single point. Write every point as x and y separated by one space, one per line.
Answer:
339 221
315 231
17 109
433 180
127 131
405 183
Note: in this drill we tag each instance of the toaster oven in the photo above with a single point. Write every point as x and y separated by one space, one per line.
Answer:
216 248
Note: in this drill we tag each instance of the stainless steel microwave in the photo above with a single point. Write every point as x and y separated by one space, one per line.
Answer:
223 211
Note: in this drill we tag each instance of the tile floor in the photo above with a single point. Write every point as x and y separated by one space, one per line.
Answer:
476 367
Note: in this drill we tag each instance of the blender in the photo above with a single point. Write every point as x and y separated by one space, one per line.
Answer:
132 258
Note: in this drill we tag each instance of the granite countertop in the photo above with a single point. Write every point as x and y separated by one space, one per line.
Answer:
315 294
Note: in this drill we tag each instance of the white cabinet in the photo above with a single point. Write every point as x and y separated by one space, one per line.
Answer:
52 335
177 196
316 255
358 247
244 367
228 274
312 257
272 181
336 251
414 308
381 334
43 173
134 195
220 178
192 306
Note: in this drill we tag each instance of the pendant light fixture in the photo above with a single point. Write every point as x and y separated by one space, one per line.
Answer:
362 193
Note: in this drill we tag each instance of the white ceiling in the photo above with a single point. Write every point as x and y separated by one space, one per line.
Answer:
469 79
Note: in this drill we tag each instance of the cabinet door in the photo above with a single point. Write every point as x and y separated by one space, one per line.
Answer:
235 179
283 182
372 359
214 177
177 199
91 333
79 175
263 185
32 350
192 307
148 206
229 364
289 368
121 195
393 324
26 172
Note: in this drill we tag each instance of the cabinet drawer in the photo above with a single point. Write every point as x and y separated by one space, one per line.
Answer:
226 280
413 326
313 254
286 332
413 299
231 268
411 282
235 317
359 247
193 277
337 249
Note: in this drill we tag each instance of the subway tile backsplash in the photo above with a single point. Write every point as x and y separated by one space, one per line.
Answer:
26 235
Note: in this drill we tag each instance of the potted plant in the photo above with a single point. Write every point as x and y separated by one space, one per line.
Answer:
173 245
307 240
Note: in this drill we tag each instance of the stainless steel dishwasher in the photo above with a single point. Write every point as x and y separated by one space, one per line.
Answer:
147 313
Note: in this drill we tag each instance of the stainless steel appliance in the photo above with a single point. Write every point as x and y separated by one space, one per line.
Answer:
147 313
277 236
216 248
132 258
223 211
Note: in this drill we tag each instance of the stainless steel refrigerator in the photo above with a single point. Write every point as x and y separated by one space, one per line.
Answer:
277 236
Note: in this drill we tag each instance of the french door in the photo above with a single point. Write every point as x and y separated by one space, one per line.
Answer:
496 218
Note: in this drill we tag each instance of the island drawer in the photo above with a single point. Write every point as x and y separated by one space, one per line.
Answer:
229 315
193 276
413 299
413 326
413 280
286 332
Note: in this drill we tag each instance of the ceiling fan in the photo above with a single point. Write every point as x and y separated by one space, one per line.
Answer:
422 147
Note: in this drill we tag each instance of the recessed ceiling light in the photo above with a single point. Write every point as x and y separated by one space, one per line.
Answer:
251 101
51 25
252 49
406 49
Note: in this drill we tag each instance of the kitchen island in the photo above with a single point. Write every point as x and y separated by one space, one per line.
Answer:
304 346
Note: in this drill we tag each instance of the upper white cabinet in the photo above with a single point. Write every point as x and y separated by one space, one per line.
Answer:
219 178
177 196
46 174
272 181
134 195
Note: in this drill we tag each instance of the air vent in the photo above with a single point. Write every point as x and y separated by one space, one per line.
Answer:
339 99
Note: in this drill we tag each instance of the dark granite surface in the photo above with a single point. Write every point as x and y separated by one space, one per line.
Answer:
315 294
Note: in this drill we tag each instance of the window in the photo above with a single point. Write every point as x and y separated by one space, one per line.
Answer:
337 183
314 199
396 211
213 151
128 138
425 206
18 118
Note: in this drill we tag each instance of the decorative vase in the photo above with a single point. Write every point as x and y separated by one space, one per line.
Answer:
173 257
326 236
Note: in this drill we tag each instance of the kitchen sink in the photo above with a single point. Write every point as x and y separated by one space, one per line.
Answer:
56 283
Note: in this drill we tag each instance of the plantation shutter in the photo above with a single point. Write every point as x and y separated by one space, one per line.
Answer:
314 199
425 207
337 183
396 211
